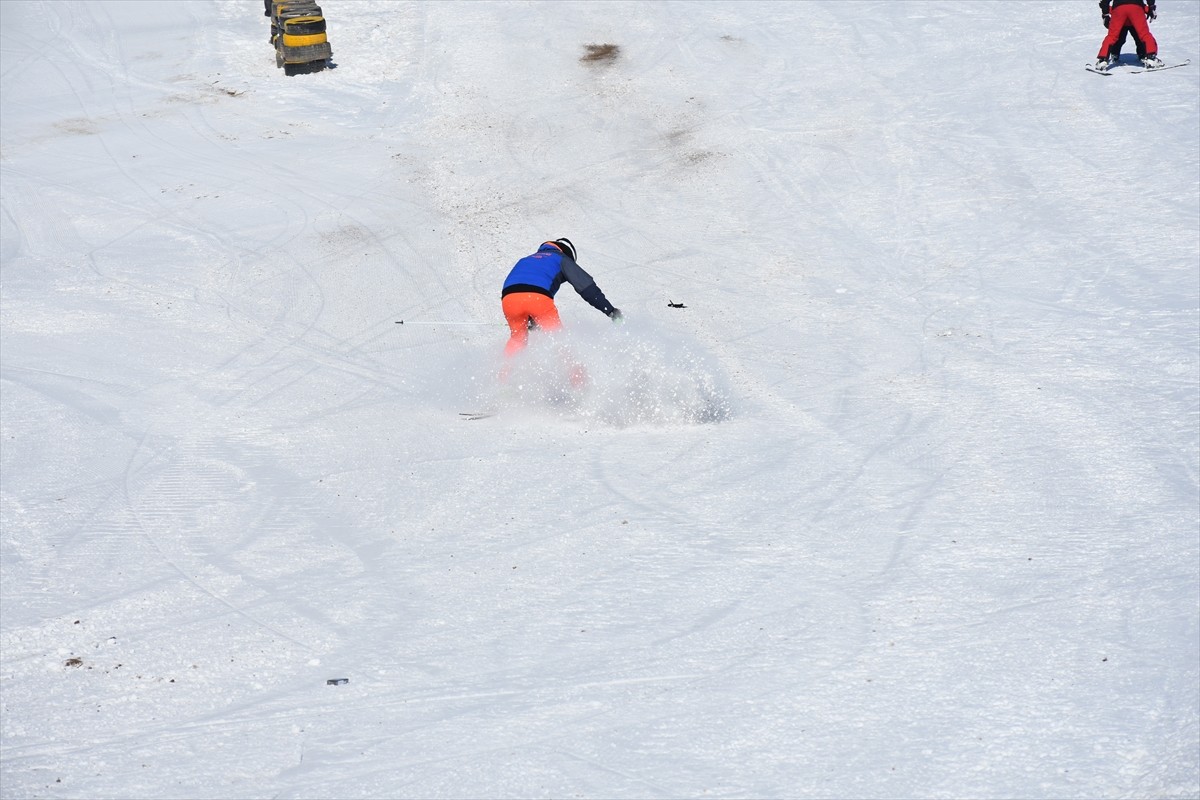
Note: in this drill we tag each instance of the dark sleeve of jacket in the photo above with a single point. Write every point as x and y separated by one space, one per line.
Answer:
586 286
1106 6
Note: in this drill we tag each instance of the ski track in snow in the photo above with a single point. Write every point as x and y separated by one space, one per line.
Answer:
904 502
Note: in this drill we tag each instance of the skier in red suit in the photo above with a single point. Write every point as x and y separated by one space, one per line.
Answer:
1119 15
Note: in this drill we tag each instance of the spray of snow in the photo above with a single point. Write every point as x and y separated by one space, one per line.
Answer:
619 375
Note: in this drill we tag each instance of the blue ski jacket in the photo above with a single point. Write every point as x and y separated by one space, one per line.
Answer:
546 270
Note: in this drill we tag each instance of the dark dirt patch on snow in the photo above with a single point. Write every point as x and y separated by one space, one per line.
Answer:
600 53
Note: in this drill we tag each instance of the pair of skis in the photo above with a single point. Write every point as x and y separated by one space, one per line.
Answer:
1092 68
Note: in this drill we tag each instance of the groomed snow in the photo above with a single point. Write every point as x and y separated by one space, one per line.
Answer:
903 502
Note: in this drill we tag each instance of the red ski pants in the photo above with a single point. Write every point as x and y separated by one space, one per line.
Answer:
519 308
1135 17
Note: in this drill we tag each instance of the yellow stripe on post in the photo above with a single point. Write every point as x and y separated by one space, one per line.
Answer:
292 40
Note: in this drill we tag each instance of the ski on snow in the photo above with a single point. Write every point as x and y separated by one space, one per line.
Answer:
469 415
1160 69
1092 68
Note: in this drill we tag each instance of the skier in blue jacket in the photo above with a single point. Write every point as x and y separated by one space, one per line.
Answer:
529 289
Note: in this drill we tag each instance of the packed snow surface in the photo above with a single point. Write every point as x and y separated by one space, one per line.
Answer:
889 486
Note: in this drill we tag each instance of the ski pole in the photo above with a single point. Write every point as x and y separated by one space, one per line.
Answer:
440 322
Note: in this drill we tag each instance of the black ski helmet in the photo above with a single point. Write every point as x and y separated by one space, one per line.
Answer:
565 245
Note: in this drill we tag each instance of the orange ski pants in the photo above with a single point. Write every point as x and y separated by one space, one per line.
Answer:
519 308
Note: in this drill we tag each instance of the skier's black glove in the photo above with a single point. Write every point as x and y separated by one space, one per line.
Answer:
1106 19
597 300
1151 13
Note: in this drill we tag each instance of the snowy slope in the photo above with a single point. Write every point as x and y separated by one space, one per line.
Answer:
904 503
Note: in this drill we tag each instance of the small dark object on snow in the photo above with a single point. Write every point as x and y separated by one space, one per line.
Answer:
336 681
675 305
600 53
73 662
